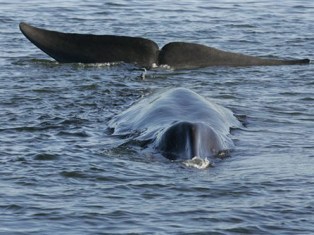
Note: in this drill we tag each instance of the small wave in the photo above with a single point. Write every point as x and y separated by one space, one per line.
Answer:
307 98
27 60
41 127
198 163
77 133
46 157
73 174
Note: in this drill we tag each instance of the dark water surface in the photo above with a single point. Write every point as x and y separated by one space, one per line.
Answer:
62 173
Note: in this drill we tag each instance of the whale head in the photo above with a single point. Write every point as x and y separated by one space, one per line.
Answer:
186 140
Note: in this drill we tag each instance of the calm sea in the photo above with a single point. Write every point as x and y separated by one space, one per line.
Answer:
62 173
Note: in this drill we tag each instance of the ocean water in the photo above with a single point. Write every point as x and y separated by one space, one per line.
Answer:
61 172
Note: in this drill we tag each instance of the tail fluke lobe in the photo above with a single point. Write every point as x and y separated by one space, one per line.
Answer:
88 48
182 55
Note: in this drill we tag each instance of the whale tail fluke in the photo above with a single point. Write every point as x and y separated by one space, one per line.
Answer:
89 48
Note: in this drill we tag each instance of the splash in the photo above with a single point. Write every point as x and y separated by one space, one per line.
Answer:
198 163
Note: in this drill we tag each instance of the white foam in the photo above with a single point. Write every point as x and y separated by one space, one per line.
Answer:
165 66
100 65
154 65
198 163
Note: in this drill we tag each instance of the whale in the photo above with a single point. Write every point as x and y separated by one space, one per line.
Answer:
179 124
142 52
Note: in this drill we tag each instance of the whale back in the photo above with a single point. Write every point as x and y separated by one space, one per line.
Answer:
88 48
151 117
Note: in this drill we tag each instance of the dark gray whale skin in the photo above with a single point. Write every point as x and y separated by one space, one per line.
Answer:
185 140
88 48
182 55
179 124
